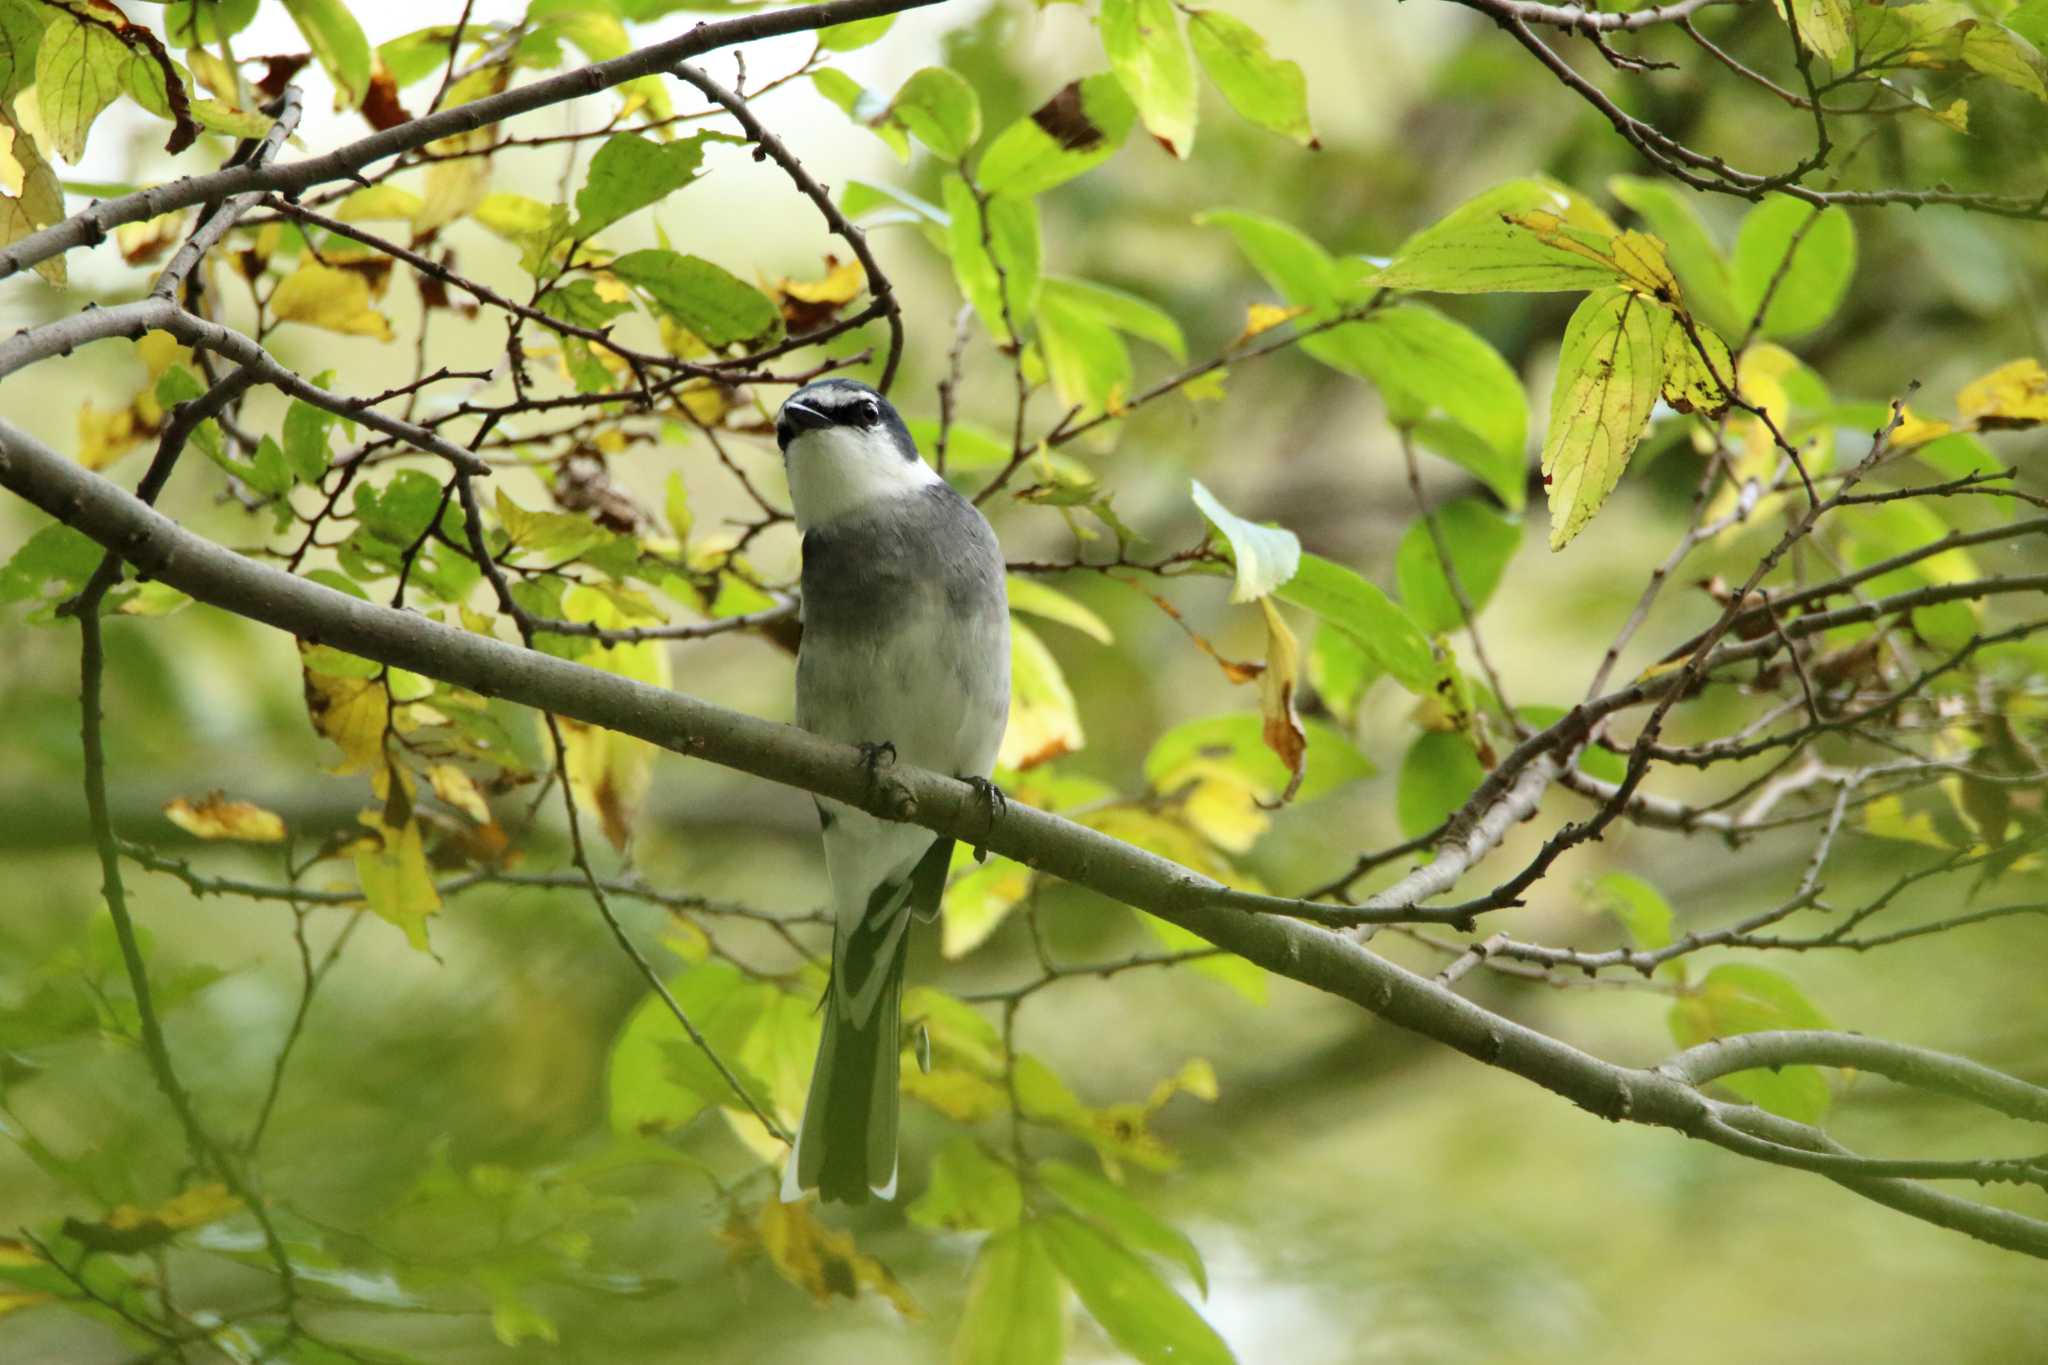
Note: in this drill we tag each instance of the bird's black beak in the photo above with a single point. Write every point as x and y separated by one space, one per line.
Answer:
798 417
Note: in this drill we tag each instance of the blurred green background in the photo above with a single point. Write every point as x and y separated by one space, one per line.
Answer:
1357 1194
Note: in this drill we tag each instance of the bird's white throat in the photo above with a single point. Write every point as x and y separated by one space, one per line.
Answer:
839 470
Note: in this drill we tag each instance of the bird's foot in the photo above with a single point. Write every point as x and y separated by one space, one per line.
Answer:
993 801
876 757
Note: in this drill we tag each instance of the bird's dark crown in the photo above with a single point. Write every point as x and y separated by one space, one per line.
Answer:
844 403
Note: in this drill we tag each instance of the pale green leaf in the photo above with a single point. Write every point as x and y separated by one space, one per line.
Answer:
1033 596
1736 998
1264 89
338 45
1481 541
1138 1228
1427 365
1297 267
1637 906
1393 642
1074 131
1609 375
997 255
939 108
1476 249
1265 556
1803 262
1139 1311
1013 1314
969 1191
1143 41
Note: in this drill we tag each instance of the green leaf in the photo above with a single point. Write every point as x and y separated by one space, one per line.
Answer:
719 307
1124 311
1264 89
1143 41
1297 267
863 106
1076 130
659 1079
1823 25
402 509
55 554
970 1190
1426 364
1265 556
1736 998
79 71
1123 1217
1637 906
630 172
1031 595
21 32
1013 1313
1139 1311
203 24
855 34
1234 740
939 108
1481 542
1476 250
1391 640
1438 774
553 536
338 45
1609 374
578 302
1009 240
1701 268
305 437
1505 472
1812 284
1088 362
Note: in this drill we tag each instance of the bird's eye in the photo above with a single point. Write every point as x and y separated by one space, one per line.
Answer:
868 412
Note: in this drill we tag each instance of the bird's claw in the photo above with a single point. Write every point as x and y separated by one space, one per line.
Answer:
872 757
993 801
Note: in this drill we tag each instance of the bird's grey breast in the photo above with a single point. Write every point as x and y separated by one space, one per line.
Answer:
906 631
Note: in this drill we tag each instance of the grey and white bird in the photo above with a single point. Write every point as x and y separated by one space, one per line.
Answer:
906 646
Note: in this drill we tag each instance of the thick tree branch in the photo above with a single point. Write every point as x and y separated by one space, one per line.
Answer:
91 226
1327 961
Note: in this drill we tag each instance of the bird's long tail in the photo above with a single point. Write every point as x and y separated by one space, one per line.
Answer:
846 1145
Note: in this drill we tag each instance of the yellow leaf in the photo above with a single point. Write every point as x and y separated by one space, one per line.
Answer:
353 712
1282 729
1264 317
1044 722
1915 430
397 884
104 436
193 1208
1886 818
14 1300
36 199
976 903
842 283
2014 395
215 817
960 1095
608 771
329 297
387 202
459 790
824 1261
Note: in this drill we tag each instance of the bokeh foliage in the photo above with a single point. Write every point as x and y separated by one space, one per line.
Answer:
1173 281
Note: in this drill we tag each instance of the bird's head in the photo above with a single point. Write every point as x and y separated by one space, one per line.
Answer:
844 446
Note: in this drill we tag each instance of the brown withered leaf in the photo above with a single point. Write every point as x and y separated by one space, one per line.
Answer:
380 105
214 816
278 72
1067 122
